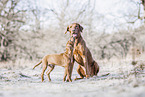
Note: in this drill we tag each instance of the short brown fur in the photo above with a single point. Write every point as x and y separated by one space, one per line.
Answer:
63 59
82 54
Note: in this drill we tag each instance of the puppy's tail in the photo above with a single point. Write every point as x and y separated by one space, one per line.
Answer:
37 64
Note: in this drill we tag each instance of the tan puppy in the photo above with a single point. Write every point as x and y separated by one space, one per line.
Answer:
82 54
63 59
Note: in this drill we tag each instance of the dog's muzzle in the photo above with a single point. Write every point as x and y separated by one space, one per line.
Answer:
75 34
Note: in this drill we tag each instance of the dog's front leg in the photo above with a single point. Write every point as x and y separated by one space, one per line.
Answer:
86 65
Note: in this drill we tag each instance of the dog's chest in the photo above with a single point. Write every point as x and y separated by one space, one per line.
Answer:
78 50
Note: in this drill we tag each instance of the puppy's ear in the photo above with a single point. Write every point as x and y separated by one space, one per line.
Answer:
67 29
81 28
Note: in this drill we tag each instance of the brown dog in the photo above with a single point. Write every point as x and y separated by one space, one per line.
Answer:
82 54
63 59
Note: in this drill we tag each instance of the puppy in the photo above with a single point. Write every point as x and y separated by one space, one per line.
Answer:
64 59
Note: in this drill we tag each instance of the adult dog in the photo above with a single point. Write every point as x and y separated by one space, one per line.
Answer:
63 59
82 54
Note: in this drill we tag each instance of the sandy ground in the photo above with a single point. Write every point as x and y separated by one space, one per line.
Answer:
22 81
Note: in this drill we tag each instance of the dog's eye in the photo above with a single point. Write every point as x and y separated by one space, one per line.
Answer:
70 26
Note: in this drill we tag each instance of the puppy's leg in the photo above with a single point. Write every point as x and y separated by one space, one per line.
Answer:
69 71
51 67
44 63
65 74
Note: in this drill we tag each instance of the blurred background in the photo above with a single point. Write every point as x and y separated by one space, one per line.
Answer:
30 29
114 32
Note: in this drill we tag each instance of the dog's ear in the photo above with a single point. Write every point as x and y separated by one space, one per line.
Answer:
81 28
67 29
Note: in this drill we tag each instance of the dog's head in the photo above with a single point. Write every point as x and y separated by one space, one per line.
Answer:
75 30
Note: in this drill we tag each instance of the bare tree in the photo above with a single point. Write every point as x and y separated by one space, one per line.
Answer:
11 19
143 3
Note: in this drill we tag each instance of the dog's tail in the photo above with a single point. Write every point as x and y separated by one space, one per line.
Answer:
37 64
105 75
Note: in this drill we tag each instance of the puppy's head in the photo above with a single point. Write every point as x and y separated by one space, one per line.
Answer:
75 30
